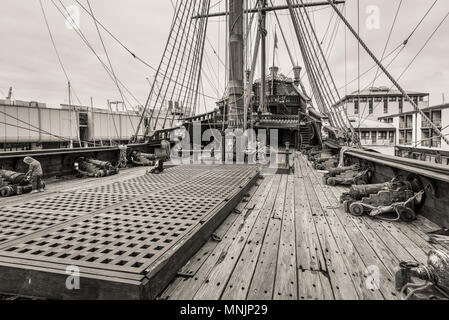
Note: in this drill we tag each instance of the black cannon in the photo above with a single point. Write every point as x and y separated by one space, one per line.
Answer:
94 168
395 198
14 183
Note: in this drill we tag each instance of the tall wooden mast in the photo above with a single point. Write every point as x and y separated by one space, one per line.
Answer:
263 58
236 58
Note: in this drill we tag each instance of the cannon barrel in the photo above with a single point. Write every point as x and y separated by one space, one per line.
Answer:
100 164
361 191
13 177
436 271
324 159
325 165
149 156
336 171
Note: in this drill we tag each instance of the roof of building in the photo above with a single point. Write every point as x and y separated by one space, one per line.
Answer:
370 124
431 108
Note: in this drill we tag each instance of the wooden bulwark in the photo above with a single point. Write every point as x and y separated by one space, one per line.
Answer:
128 238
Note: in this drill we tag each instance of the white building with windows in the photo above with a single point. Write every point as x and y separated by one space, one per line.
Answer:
374 133
413 131
377 102
383 117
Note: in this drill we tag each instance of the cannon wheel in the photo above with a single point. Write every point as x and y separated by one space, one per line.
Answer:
347 204
325 179
406 214
356 209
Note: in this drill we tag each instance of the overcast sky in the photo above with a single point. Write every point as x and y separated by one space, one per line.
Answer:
29 64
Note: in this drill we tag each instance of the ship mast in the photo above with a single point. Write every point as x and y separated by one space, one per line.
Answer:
236 58
263 58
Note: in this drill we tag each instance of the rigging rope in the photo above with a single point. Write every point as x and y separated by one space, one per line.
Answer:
322 83
416 56
110 66
56 49
387 73
87 43
61 64
126 48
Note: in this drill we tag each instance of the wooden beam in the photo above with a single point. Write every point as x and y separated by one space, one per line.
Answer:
268 9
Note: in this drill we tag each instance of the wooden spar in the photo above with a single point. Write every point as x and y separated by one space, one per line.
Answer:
236 58
268 9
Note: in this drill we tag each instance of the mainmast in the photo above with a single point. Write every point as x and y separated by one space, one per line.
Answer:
263 59
236 58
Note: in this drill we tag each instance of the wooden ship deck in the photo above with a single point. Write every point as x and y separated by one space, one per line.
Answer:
125 238
218 232
292 240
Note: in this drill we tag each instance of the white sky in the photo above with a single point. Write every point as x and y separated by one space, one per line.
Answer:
29 64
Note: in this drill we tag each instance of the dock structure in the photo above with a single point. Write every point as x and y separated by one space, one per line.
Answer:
125 238
293 241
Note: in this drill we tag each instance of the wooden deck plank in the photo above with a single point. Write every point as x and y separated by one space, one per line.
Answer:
385 252
416 252
417 246
196 262
314 285
412 241
217 279
341 280
188 287
308 248
240 280
286 277
262 284
423 227
302 245
377 232
364 258
192 267
350 254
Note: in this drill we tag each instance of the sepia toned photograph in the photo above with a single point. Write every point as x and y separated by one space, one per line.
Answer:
216 157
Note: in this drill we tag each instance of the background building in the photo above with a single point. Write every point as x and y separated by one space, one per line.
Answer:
385 119
28 125
414 131
377 102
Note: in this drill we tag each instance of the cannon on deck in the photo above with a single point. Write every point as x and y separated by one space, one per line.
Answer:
395 200
94 168
348 176
424 281
14 183
138 158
